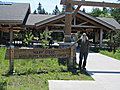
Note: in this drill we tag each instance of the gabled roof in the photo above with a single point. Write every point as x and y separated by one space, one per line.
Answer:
57 17
101 22
34 18
39 20
14 12
110 21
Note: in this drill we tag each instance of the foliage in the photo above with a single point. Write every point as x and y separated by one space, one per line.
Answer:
35 12
111 54
115 13
117 36
18 36
96 12
33 74
56 11
28 37
40 10
44 41
63 10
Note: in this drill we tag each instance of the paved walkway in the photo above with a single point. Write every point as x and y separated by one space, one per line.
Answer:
104 70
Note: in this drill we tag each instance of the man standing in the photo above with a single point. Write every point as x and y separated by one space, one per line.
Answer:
84 48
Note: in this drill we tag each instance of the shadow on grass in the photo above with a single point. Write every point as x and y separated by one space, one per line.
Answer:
74 72
28 72
3 85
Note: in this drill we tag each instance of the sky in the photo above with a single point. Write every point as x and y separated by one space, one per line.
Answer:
49 5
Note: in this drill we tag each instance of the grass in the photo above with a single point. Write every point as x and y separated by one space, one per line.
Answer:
110 54
34 74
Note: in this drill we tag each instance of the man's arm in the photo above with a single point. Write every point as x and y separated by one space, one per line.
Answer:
75 42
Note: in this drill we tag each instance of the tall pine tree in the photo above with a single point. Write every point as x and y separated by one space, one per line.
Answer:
56 11
39 8
63 9
35 12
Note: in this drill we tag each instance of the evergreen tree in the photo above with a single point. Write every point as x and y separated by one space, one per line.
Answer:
39 8
63 9
49 14
83 10
35 12
56 11
73 7
46 13
43 11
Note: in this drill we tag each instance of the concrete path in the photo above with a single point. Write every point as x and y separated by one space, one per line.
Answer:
104 70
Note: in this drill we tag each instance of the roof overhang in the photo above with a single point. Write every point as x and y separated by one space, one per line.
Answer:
10 21
90 19
49 20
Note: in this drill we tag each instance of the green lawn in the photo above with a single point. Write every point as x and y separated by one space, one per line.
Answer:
111 54
34 74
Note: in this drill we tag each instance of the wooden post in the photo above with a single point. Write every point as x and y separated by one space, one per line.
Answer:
11 36
101 37
1 35
46 29
111 36
11 52
74 20
68 21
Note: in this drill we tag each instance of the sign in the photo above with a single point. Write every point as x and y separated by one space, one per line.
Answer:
39 53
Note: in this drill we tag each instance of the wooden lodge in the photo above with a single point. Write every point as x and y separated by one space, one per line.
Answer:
17 17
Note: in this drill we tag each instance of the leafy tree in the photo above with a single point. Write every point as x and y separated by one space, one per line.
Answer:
96 12
42 37
28 37
115 13
56 11
117 36
105 13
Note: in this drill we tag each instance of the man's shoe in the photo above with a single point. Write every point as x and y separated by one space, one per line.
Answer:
84 68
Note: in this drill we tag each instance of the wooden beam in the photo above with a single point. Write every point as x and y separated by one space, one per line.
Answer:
76 10
93 22
19 28
91 3
81 26
63 21
43 24
83 23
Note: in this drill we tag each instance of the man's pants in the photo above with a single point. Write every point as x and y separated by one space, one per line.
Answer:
83 55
